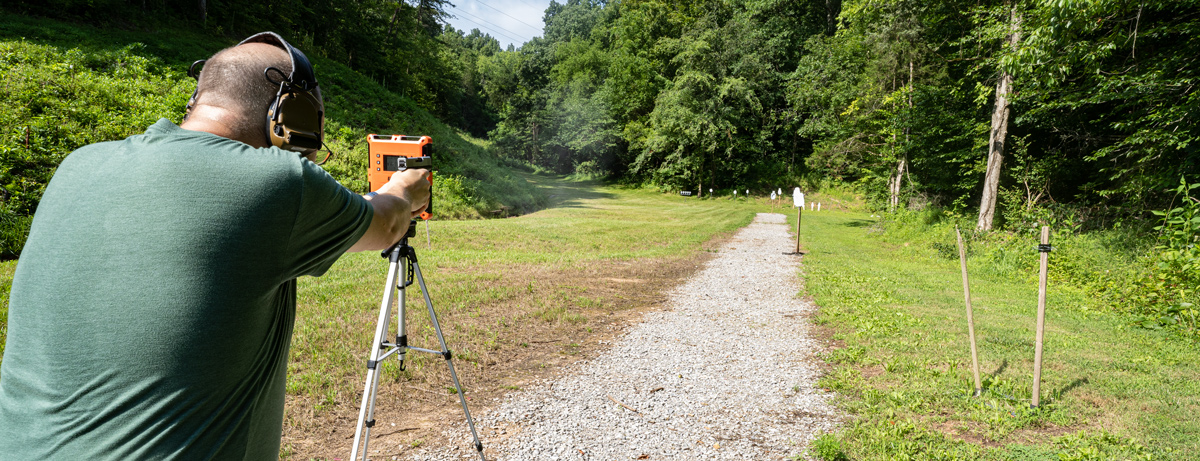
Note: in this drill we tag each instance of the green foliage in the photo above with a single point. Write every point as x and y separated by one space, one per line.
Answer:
677 94
1101 446
707 122
1146 282
1175 295
401 45
1116 79
827 447
58 99
66 86
14 230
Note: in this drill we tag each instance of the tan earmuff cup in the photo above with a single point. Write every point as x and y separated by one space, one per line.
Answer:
298 124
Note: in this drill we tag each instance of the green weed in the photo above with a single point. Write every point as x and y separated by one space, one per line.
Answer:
893 300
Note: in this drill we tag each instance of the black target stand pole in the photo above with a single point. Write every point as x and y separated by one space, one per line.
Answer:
403 269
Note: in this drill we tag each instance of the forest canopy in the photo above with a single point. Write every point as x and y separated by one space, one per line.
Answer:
1097 99
895 96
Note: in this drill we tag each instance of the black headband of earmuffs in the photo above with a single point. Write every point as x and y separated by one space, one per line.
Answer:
303 78
295 118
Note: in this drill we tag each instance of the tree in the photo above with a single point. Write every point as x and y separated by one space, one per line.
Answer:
999 132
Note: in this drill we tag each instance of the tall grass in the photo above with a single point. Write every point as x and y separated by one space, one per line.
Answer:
1125 271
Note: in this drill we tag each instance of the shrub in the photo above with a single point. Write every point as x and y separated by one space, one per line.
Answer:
13 232
1173 294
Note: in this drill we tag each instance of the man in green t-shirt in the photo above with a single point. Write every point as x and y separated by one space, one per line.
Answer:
152 308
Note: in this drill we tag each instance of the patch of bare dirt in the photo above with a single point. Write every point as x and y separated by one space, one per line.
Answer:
594 302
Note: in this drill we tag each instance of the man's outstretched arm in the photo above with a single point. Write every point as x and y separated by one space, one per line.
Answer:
404 197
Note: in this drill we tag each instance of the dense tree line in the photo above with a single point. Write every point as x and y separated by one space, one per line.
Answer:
681 94
1086 109
1083 108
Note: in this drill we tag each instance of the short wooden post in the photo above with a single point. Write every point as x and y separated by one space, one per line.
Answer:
962 258
799 211
1044 249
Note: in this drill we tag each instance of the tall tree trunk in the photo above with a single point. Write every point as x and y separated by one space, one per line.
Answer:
903 163
897 178
996 141
203 11
895 181
832 8
395 15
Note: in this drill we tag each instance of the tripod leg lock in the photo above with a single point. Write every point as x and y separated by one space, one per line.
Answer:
370 423
446 354
371 364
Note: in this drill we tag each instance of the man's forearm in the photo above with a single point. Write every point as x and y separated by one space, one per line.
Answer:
392 216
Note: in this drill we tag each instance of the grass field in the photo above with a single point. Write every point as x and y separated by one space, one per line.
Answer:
521 297
893 307
473 265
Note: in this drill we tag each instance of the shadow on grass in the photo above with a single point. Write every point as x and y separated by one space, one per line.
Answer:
859 223
567 193
1000 369
1068 388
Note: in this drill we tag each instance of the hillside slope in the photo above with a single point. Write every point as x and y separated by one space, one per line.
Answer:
64 85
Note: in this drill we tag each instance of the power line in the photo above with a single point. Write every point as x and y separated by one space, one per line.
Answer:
487 22
534 5
491 27
506 14
483 23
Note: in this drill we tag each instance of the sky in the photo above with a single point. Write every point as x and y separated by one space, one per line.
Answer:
509 21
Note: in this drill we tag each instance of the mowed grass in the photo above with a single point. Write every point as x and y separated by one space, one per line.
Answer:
893 306
492 279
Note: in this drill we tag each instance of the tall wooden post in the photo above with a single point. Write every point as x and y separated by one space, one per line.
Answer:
962 258
799 211
1044 249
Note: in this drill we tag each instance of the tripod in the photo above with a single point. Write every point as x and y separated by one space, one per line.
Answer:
401 257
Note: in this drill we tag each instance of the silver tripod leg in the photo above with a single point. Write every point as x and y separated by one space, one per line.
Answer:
445 352
381 349
366 411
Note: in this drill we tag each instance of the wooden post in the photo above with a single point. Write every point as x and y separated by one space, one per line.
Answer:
1044 249
962 258
799 211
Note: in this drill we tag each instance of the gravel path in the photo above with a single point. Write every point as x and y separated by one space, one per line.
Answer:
725 372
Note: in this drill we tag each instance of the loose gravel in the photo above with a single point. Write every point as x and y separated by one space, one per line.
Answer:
727 371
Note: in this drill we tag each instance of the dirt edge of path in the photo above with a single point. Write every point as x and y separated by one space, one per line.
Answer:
413 413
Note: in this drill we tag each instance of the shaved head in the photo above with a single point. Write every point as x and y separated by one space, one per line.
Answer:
234 80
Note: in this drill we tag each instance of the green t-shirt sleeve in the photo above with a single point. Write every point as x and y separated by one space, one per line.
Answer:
329 221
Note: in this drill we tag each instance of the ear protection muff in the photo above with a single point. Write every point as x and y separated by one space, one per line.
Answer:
194 73
296 116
